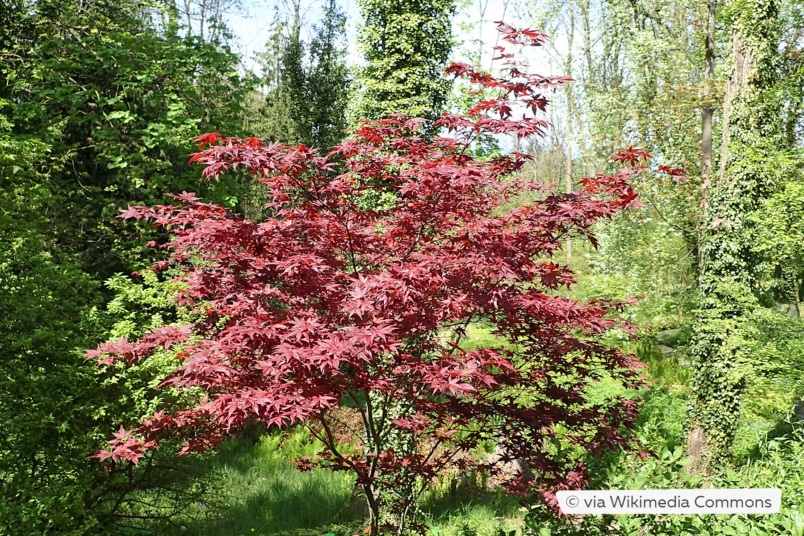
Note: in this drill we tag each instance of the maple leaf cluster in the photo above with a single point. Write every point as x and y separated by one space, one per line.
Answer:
359 286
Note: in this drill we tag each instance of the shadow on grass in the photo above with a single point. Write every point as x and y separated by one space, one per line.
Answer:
263 493
468 502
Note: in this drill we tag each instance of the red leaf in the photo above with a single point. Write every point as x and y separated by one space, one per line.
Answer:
631 156
207 139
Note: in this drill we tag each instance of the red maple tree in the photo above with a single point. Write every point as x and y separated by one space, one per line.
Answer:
358 289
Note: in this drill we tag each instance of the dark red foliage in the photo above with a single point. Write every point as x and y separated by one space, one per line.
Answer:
364 279
631 156
676 174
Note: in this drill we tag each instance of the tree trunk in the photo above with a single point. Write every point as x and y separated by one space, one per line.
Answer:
708 111
751 126
568 71
697 440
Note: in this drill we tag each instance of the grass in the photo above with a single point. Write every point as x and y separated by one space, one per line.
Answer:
454 508
260 492
263 493
465 502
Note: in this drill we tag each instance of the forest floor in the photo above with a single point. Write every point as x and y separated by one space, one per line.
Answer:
258 491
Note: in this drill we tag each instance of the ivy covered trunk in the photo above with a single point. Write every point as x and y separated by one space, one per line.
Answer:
728 264
406 45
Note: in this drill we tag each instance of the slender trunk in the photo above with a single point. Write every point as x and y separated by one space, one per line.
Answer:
188 12
374 510
587 42
589 78
481 7
568 70
707 114
296 20
216 18
373 443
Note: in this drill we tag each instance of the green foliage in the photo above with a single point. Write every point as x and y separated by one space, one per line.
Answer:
642 255
639 84
777 465
96 110
117 101
137 308
42 296
752 167
44 386
286 104
646 89
328 80
406 45
303 94
779 235
55 410
771 460
143 303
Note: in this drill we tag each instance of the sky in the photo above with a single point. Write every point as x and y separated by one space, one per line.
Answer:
252 24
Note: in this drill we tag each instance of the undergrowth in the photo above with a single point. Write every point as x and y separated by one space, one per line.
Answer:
260 492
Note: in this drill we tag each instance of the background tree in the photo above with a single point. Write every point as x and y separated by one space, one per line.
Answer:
751 168
642 90
116 101
663 89
200 18
303 95
405 45
97 104
52 405
328 79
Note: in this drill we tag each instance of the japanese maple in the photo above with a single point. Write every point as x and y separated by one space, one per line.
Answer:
358 289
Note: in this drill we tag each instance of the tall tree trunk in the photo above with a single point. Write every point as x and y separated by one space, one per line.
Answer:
708 111
697 439
751 136
568 71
